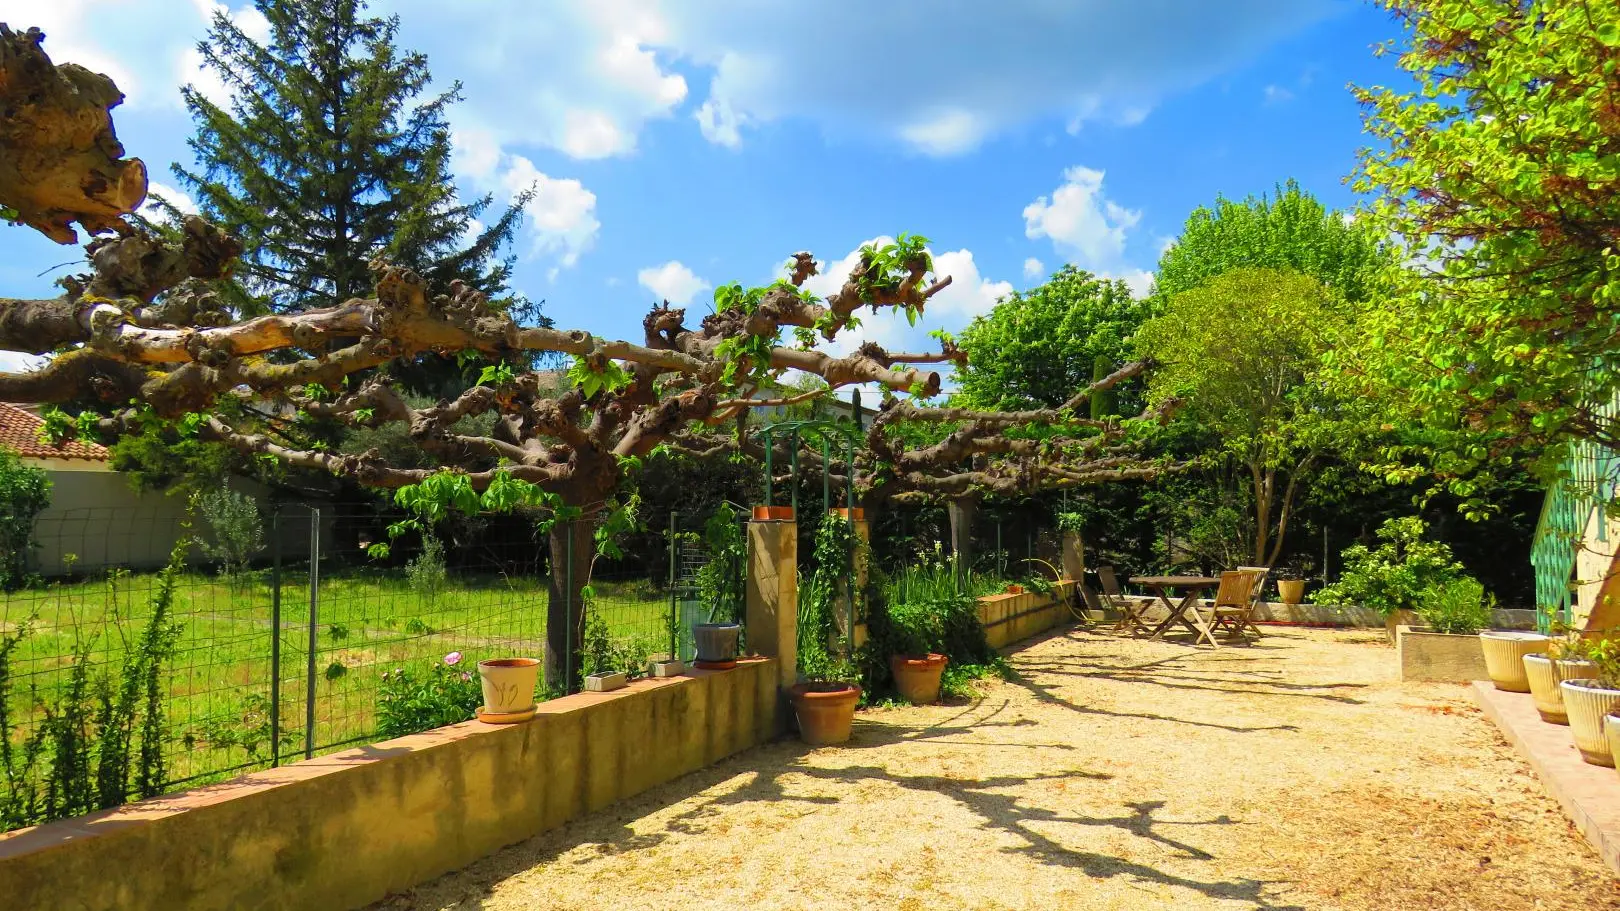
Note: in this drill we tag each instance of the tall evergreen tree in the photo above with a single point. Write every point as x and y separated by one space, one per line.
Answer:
323 160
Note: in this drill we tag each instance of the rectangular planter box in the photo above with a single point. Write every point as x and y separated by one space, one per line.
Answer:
665 668
606 683
1444 657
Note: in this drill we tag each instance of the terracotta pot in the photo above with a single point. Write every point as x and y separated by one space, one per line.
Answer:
716 645
1586 703
860 514
826 711
773 514
508 684
1544 675
1504 657
917 679
1399 618
1291 591
1015 589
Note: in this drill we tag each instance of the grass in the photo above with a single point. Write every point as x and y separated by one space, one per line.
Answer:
368 621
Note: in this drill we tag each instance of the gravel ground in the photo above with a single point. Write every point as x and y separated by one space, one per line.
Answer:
1295 773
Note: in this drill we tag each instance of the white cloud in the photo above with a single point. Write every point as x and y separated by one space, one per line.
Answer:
672 281
719 123
594 134
177 198
1033 268
1140 281
1080 221
17 362
970 294
1276 94
973 70
946 133
562 213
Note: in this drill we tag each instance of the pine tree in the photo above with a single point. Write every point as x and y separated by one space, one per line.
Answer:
323 160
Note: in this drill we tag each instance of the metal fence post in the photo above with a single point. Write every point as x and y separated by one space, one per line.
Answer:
275 637
568 610
674 604
314 620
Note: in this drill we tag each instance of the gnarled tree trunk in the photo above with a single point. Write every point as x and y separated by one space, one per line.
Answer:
572 545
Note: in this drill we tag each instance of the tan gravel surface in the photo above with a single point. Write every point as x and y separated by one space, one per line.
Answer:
1294 773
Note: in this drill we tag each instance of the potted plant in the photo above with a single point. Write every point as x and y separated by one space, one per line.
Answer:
1290 586
1013 588
716 645
917 632
1504 656
1588 699
1546 671
1446 647
1391 578
508 686
824 704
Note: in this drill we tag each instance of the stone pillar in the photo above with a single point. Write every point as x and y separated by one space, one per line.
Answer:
773 595
1074 556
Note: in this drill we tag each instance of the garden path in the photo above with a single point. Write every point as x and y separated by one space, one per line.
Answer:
1296 773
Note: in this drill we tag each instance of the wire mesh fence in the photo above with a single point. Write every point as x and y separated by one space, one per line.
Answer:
316 640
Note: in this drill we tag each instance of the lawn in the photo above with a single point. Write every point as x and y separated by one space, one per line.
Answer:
366 621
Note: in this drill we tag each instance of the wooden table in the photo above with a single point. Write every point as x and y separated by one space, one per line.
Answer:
1191 587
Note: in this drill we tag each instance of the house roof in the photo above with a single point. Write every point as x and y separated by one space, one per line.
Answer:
19 431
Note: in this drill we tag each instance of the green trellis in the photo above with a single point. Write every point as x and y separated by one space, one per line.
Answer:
1585 486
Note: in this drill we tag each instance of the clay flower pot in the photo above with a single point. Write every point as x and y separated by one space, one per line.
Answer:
826 711
716 645
1291 591
860 514
1544 675
1504 657
1586 702
1015 589
917 679
773 514
508 684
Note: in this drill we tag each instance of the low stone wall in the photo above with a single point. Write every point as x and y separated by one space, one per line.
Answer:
344 830
1358 616
1011 618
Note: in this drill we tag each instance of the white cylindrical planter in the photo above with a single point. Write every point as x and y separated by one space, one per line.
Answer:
1586 703
1611 727
1544 675
1504 657
508 684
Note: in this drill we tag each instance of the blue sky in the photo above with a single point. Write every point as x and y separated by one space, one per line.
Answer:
681 145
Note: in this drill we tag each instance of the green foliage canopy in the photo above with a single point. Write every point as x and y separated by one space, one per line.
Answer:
1037 348
1501 170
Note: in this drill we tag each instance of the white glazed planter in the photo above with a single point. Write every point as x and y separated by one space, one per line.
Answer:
1544 675
1586 703
1504 657
508 684
1611 727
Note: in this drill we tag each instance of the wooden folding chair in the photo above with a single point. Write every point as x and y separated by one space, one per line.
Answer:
1132 611
1234 602
1260 574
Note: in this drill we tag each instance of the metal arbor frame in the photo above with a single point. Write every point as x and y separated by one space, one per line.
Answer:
827 433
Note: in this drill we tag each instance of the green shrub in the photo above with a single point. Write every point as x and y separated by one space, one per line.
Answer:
1395 575
426 573
236 530
1457 606
412 700
25 491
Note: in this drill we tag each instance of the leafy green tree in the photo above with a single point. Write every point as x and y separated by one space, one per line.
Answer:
1292 232
323 160
1244 352
1035 348
25 491
1501 170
